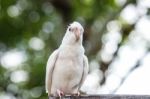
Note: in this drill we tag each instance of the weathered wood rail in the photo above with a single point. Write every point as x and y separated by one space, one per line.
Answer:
104 97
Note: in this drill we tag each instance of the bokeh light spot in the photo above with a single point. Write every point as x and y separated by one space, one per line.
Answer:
36 43
19 76
13 11
13 58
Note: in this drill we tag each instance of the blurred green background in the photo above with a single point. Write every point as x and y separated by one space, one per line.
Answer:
31 29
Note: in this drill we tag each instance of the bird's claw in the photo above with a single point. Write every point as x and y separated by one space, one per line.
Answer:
60 93
77 94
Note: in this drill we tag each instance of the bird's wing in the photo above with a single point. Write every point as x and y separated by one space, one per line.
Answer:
85 70
49 70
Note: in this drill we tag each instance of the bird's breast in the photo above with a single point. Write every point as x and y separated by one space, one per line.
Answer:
68 70
70 64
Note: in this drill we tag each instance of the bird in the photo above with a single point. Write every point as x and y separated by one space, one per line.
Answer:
67 66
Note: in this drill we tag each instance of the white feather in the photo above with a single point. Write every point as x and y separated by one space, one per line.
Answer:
67 66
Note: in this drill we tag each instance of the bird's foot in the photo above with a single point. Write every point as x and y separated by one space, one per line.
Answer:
60 93
77 94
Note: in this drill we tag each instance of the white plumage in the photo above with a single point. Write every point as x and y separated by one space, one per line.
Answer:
67 66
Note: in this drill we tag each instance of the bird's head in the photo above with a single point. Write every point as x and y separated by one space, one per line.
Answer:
76 29
74 33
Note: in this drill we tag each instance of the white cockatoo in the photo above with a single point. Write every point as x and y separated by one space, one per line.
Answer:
67 66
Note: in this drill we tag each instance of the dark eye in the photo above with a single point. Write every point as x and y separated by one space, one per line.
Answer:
69 29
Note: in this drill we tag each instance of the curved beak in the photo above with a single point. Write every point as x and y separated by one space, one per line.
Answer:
77 34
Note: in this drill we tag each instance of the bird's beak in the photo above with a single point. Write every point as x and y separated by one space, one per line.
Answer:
77 33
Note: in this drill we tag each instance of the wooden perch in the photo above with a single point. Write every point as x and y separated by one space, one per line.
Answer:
104 97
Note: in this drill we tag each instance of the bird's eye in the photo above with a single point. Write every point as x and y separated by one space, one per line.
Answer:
69 29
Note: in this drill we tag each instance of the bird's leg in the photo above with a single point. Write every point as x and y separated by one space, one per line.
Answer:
78 93
60 93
